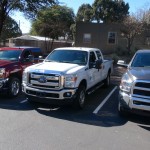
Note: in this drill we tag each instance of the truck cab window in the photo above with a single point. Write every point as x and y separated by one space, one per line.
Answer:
92 57
26 55
92 60
99 56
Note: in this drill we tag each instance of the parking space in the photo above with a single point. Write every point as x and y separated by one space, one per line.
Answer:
38 126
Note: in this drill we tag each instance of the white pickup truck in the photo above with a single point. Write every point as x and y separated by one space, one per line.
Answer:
66 75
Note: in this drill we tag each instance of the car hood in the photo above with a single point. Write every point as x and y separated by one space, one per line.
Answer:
3 63
54 67
141 73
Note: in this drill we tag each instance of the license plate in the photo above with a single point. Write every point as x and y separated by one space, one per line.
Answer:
40 94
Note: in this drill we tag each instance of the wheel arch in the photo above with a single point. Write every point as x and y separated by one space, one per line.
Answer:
84 83
16 75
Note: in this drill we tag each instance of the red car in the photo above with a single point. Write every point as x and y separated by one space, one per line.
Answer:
13 60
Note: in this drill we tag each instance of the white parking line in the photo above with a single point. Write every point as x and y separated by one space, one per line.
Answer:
104 101
23 101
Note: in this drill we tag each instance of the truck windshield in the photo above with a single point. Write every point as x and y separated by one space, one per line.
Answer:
11 55
68 56
141 60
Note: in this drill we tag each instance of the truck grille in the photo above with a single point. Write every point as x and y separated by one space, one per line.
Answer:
142 85
44 81
142 89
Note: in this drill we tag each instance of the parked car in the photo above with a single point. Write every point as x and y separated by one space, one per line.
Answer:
66 75
134 95
13 60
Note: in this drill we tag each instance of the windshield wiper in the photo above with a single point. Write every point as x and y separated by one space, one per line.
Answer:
51 61
67 62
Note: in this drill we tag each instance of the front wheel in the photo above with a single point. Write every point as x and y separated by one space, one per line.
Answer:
121 111
79 101
14 87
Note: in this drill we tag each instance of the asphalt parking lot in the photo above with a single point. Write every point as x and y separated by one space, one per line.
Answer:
97 127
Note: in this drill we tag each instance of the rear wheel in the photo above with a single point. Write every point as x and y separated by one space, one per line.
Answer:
79 101
14 87
107 80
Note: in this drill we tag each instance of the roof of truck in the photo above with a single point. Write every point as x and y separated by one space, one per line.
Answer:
77 48
17 48
144 51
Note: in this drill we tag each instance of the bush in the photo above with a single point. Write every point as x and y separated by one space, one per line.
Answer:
120 51
115 57
133 51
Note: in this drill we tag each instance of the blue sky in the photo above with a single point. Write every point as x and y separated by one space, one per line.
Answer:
75 4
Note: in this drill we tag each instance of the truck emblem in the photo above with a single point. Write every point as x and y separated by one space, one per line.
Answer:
42 79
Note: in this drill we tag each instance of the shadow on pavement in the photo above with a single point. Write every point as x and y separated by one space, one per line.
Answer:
81 116
105 119
18 103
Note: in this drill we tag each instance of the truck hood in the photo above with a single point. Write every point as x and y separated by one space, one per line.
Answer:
3 63
54 67
139 73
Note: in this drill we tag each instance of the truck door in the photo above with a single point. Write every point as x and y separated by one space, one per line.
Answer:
93 72
100 72
24 59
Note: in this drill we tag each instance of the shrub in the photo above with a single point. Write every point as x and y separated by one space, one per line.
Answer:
120 51
133 51
115 57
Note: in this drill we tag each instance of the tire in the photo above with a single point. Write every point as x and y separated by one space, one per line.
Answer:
107 81
122 111
14 87
79 101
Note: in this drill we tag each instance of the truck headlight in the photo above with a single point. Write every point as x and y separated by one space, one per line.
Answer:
2 73
126 83
24 77
70 81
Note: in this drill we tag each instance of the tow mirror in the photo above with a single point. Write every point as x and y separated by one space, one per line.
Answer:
98 64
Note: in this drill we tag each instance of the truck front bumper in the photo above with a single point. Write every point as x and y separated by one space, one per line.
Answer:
4 85
49 96
134 104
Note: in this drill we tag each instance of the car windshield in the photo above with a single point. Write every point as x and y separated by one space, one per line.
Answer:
68 56
141 60
11 55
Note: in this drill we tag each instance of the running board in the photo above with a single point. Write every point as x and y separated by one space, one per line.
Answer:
94 89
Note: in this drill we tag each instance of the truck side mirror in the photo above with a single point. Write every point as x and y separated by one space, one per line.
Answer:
98 64
40 59
122 63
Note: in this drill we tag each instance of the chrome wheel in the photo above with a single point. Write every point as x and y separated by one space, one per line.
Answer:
79 101
107 81
14 87
82 98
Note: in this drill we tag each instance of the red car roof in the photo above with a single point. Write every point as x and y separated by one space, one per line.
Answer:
11 48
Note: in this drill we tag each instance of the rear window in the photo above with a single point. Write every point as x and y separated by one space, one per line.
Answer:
36 52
